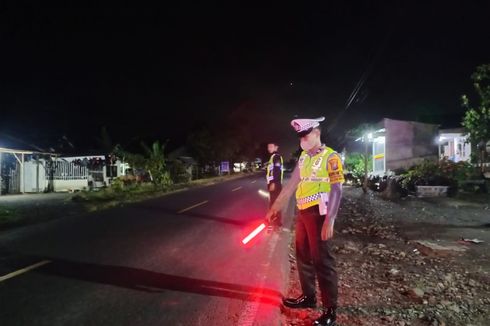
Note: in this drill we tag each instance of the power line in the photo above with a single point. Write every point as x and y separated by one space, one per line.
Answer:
362 80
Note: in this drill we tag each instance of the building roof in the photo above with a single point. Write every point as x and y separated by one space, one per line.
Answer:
10 142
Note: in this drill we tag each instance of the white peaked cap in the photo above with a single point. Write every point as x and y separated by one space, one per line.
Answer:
306 125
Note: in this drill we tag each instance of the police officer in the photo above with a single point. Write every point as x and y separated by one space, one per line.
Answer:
274 177
317 179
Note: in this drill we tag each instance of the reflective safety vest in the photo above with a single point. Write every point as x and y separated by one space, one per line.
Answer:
270 168
315 182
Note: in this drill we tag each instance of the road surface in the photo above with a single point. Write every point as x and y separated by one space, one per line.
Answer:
175 260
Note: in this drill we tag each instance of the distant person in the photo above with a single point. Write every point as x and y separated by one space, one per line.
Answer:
275 174
317 179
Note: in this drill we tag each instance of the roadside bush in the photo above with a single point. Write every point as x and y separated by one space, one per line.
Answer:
178 172
163 180
442 173
459 172
377 183
117 184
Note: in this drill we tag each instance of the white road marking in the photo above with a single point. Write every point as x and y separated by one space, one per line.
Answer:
237 188
24 270
264 193
253 181
191 207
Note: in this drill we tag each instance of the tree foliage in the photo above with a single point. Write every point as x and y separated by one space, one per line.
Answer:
155 163
354 164
361 133
476 120
210 145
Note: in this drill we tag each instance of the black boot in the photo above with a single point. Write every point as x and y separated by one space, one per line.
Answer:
300 302
327 318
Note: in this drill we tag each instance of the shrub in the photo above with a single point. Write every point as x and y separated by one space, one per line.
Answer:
442 173
117 184
354 165
178 172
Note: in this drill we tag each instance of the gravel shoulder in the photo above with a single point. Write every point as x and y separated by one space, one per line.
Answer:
400 263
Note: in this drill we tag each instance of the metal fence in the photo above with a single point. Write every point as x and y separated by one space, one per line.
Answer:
64 170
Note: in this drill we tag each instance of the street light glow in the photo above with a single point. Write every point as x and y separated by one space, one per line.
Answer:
380 139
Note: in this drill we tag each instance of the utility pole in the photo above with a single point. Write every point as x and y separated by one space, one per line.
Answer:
366 156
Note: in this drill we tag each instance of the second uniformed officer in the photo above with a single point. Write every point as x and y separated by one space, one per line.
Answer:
317 179
274 179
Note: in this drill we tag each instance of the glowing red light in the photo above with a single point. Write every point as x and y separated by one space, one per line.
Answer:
254 233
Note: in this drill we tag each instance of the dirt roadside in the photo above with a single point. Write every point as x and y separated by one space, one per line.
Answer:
400 263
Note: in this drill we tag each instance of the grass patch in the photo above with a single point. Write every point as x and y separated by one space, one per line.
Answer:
120 195
8 216
111 197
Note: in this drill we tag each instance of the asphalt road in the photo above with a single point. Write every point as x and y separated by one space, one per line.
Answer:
175 260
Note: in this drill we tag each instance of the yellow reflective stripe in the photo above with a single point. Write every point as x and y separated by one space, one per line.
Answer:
315 179
270 168
282 168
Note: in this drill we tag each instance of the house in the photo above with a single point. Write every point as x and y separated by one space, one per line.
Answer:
454 145
21 167
401 144
27 171
73 173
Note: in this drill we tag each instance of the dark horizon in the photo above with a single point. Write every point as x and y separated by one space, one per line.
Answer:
152 74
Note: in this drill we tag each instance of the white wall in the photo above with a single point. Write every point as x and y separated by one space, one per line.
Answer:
454 147
69 185
33 178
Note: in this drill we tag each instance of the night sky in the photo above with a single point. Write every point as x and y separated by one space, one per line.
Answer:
156 73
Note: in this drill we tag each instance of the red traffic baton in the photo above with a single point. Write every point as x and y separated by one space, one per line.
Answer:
254 233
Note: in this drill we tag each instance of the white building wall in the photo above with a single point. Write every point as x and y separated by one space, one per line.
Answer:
66 179
35 177
454 147
70 185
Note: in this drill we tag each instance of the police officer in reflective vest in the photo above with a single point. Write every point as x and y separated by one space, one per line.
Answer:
274 179
317 179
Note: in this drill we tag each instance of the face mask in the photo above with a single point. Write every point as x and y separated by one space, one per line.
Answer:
307 145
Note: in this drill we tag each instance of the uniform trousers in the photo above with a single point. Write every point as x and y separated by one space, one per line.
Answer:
314 257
